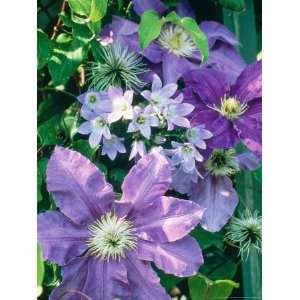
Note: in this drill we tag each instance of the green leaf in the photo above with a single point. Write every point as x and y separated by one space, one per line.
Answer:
41 171
206 238
81 7
116 176
98 10
68 55
95 26
84 148
49 131
197 35
167 280
193 29
236 5
202 288
198 286
149 28
70 121
44 48
80 31
40 270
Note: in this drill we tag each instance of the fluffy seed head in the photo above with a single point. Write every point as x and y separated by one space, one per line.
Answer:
177 41
118 67
245 233
111 237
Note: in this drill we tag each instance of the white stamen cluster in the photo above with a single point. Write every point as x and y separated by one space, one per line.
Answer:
119 67
177 41
111 237
231 108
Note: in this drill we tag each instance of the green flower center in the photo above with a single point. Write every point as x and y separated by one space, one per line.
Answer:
141 120
92 99
222 163
231 108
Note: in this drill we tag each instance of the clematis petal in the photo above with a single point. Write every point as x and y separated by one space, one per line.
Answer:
61 239
146 181
247 161
144 281
249 84
226 59
93 278
219 199
167 219
78 187
140 6
184 9
174 67
215 31
181 258
210 85
146 94
249 131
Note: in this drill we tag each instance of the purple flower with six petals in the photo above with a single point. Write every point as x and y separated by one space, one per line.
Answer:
231 113
104 246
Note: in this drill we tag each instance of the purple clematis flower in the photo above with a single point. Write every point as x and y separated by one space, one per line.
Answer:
104 246
96 128
174 53
215 193
142 121
113 145
231 113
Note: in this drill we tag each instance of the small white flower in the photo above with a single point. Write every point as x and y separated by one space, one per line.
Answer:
121 105
138 149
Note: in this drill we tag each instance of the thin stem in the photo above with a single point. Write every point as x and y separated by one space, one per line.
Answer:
50 89
58 23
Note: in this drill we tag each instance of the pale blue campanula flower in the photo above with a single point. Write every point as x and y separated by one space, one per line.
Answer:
138 148
142 121
197 136
96 128
185 155
160 96
112 146
175 113
121 104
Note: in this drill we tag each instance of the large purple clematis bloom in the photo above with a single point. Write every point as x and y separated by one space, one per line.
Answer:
174 53
216 194
104 246
231 113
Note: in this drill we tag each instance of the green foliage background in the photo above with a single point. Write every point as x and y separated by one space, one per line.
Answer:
65 33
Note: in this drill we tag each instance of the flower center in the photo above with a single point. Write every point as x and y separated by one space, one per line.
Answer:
222 163
231 108
111 237
177 41
187 149
141 120
92 99
99 122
